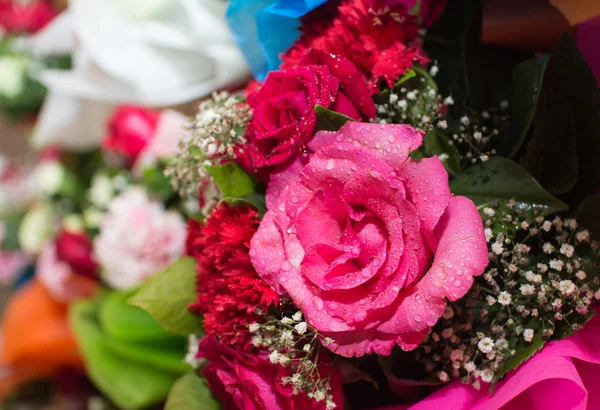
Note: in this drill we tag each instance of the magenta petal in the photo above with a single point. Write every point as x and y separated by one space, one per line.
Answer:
266 252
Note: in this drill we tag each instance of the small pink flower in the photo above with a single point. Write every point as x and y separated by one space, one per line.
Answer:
138 237
367 242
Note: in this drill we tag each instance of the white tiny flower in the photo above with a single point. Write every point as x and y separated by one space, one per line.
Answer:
443 124
548 248
470 367
512 268
488 234
411 95
402 104
287 336
522 248
253 327
49 176
546 226
525 225
581 275
484 158
477 135
330 405
583 236
490 300
443 376
284 360
443 157
557 303
571 223
306 348
274 357
393 98
449 100
297 316
319 395
567 250
502 344
504 104
528 335
486 115
504 298
457 355
527 290
497 248
597 294
489 212
300 328
465 120
566 287
487 376
434 70
542 267
556 264
328 340
286 320
485 345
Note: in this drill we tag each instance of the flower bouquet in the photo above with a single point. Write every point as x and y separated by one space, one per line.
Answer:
394 216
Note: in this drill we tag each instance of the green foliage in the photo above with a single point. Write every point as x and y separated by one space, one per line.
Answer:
523 351
167 295
157 184
588 215
328 120
11 231
132 375
191 392
436 143
233 181
501 179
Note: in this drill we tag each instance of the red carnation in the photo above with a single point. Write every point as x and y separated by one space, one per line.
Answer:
229 289
130 129
381 40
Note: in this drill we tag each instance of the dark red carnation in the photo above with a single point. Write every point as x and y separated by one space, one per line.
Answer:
130 129
379 39
229 289
76 249
25 16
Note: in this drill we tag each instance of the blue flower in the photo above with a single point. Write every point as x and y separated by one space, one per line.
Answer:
265 28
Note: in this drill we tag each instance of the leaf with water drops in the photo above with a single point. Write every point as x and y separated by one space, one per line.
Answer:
328 120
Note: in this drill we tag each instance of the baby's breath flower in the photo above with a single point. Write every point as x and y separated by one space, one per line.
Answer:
528 335
504 298
486 345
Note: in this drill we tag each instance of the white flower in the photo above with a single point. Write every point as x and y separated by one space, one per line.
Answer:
443 376
457 355
253 327
504 104
546 226
411 95
542 267
307 348
525 225
101 191
502 344
528 335
443 157
527 290
548 248
497 248
449 100
556 264
490 300
580 275
488 234
465 120
487 376
297 316
148 52
137 238
566 287
477 135
190 357
36 228
486 345
402 104
274 357
14 69
470 367
300 328
567 250
484 158
434 70
443 124
489 212
504 298
49 176
284 360
583 236
286 320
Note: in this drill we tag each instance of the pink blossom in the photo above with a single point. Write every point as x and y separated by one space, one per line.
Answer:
368 243
170 131
11 262
138 237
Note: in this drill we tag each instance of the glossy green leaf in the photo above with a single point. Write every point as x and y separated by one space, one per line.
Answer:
523 351
125 322
502 179
588 215
157 183
232 180
191 393
167 295
129 384
328 120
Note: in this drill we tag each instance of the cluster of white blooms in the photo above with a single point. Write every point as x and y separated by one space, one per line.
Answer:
294 344
416 101
542 278
216 133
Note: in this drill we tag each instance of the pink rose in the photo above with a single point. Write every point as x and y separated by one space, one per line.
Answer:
284 115
249 382
368 243
25 16
130 130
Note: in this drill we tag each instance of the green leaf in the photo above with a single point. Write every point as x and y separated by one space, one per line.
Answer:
437 143
501 179
527 86
191 392
328 120
128 323
523 351
157 183
551 156
257 201
407 76
232 180
11 231
588 215
129 384
167 295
